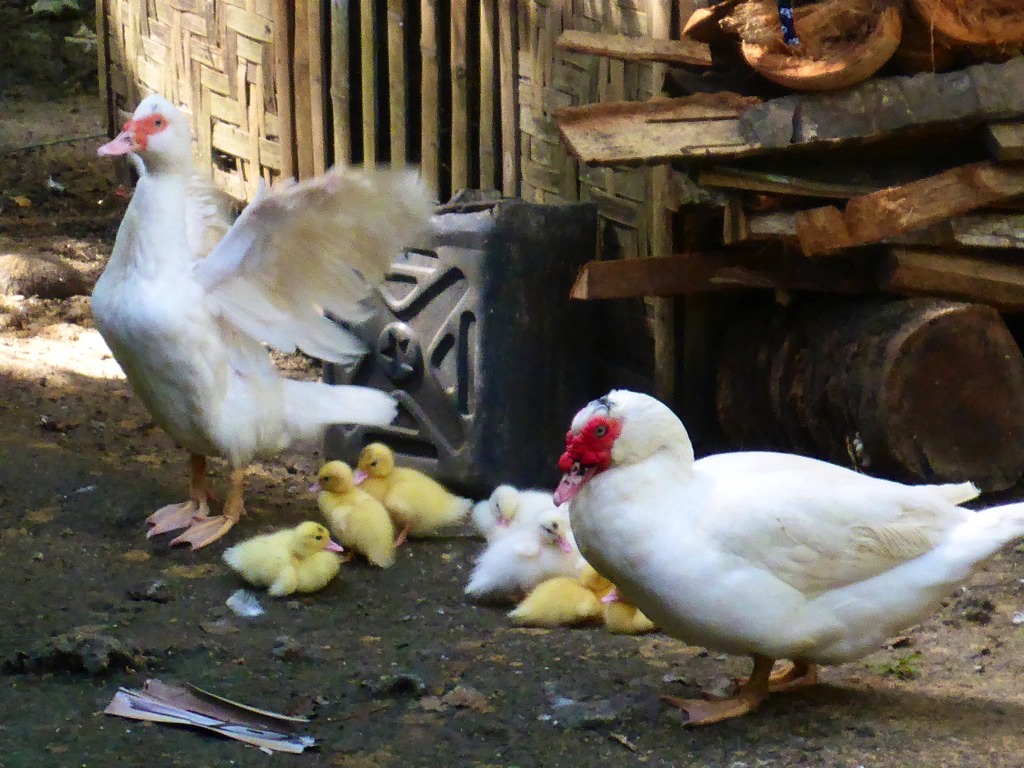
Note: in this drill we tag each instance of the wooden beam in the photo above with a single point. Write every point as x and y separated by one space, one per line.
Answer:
893 211
778 183
977 230
629 48
910 271
716 271
641 133
631 133
1006 141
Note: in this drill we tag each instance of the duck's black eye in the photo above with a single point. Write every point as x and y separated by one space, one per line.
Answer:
601 431
318 537
373 463
159 122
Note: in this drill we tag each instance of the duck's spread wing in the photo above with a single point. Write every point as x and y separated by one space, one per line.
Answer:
207 216
821 538
313 247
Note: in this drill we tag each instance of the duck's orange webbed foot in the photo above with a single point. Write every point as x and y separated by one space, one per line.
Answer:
206 530
713 710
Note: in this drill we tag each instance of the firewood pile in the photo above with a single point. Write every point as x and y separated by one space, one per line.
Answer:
880 155
869 179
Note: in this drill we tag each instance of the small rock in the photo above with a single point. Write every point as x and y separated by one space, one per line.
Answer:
155 592
401 685
976 609
286 649
84 650
36 275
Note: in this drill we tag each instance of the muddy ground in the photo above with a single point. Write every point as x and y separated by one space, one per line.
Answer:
91 605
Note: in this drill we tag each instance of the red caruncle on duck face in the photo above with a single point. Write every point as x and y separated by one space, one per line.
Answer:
587 452
592 445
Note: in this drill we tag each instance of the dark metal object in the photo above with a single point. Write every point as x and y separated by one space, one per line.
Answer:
474 333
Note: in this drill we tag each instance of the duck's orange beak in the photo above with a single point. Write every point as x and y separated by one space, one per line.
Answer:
121 144
333 546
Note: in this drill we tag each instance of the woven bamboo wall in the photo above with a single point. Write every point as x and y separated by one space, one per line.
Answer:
215 58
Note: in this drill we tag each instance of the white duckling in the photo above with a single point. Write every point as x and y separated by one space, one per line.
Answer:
790 564
187 320
513 564
508 506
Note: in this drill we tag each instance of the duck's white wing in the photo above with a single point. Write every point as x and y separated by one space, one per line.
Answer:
313 247
207 216
819 537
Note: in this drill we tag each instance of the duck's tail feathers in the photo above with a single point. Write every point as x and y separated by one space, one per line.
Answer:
982 534
958 493
311 407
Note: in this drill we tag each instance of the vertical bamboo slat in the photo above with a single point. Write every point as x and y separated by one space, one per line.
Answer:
488 133
340 88
460 95
283 86
315 53
508 79
396 80
301 92
368 79
430 143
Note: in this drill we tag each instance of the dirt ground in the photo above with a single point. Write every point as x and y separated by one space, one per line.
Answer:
394 667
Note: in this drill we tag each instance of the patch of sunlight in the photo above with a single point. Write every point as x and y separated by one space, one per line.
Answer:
59 348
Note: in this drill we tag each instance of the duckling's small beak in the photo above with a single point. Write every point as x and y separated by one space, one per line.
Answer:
611 597
316 487
358 476
333 546
564 545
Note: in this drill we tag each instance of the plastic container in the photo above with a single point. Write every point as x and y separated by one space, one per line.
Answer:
474 333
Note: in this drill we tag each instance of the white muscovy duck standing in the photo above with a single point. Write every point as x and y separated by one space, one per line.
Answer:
187 319
767 555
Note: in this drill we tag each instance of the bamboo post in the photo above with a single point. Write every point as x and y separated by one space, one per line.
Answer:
430 148
508 78
659 21
340 89
460 96
315 50
488 130
396 80
283 85
368 58
301 92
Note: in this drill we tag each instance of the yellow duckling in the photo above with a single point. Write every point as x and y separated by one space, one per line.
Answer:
419 505
559 602
299 559
620 617
356 519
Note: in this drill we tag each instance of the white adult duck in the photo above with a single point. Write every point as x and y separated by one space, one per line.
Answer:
796 562
187 323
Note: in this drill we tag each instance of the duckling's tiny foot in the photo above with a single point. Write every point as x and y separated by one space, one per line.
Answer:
205 531
174 517
703 712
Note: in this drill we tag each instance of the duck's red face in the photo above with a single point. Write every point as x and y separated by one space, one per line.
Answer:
135 136
588 451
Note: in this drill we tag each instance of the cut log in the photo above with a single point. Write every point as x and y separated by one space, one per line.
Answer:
914 272
980 230
778 183
836 66
635 48
918 390
625 133
1006 141
718 271
633 133
889 212
978 22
